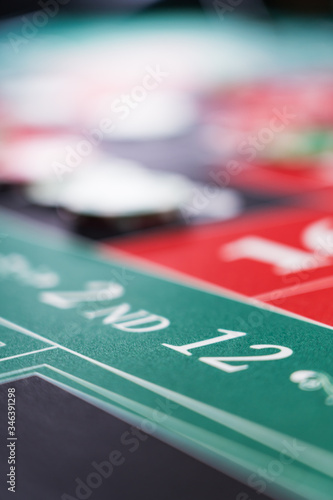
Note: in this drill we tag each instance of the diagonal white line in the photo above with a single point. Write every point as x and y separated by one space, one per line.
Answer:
28 353
289 291
311 456
171 275
20 329
9 375
219 445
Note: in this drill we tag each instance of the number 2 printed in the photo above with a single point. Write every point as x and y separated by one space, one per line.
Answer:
219 362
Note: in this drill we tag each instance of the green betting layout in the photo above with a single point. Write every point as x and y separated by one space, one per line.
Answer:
242 387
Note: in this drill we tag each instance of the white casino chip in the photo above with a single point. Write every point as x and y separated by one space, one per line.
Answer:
114 188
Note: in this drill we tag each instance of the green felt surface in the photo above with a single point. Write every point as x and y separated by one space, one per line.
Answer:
255 423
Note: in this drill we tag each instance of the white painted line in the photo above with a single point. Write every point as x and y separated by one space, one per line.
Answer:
8 375
312 456
28 353
298 289
20 329
139 264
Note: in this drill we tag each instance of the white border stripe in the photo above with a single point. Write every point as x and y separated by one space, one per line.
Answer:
312 456
28 353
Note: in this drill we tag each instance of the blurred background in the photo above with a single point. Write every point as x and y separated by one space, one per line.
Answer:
136 118
118 116
250 7
126 118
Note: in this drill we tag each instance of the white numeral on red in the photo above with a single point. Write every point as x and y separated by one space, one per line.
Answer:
317 237
283 258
